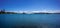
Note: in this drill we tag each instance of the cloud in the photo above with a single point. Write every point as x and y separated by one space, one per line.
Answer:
43 11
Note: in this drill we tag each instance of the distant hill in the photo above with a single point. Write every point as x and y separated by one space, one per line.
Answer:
32 12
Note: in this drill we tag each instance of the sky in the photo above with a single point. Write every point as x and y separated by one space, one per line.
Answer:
29 5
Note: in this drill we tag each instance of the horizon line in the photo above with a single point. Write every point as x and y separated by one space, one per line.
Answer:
45 11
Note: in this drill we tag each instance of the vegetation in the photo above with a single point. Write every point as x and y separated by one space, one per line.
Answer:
3 12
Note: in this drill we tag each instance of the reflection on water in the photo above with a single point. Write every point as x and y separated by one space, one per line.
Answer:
30 20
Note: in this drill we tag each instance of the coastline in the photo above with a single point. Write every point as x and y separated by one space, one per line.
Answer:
25 13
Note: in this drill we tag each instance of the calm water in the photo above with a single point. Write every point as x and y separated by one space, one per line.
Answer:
30 20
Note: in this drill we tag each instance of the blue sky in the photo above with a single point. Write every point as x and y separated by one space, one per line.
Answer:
16 5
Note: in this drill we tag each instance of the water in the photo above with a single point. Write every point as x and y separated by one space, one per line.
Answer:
30 20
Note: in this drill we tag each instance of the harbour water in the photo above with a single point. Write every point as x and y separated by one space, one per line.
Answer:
29 20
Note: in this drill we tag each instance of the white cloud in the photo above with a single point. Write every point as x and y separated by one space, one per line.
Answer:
45 11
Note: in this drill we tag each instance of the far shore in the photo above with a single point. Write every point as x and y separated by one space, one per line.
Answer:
25 13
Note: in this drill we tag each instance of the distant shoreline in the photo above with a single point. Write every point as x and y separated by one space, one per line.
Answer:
29 12
25 13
